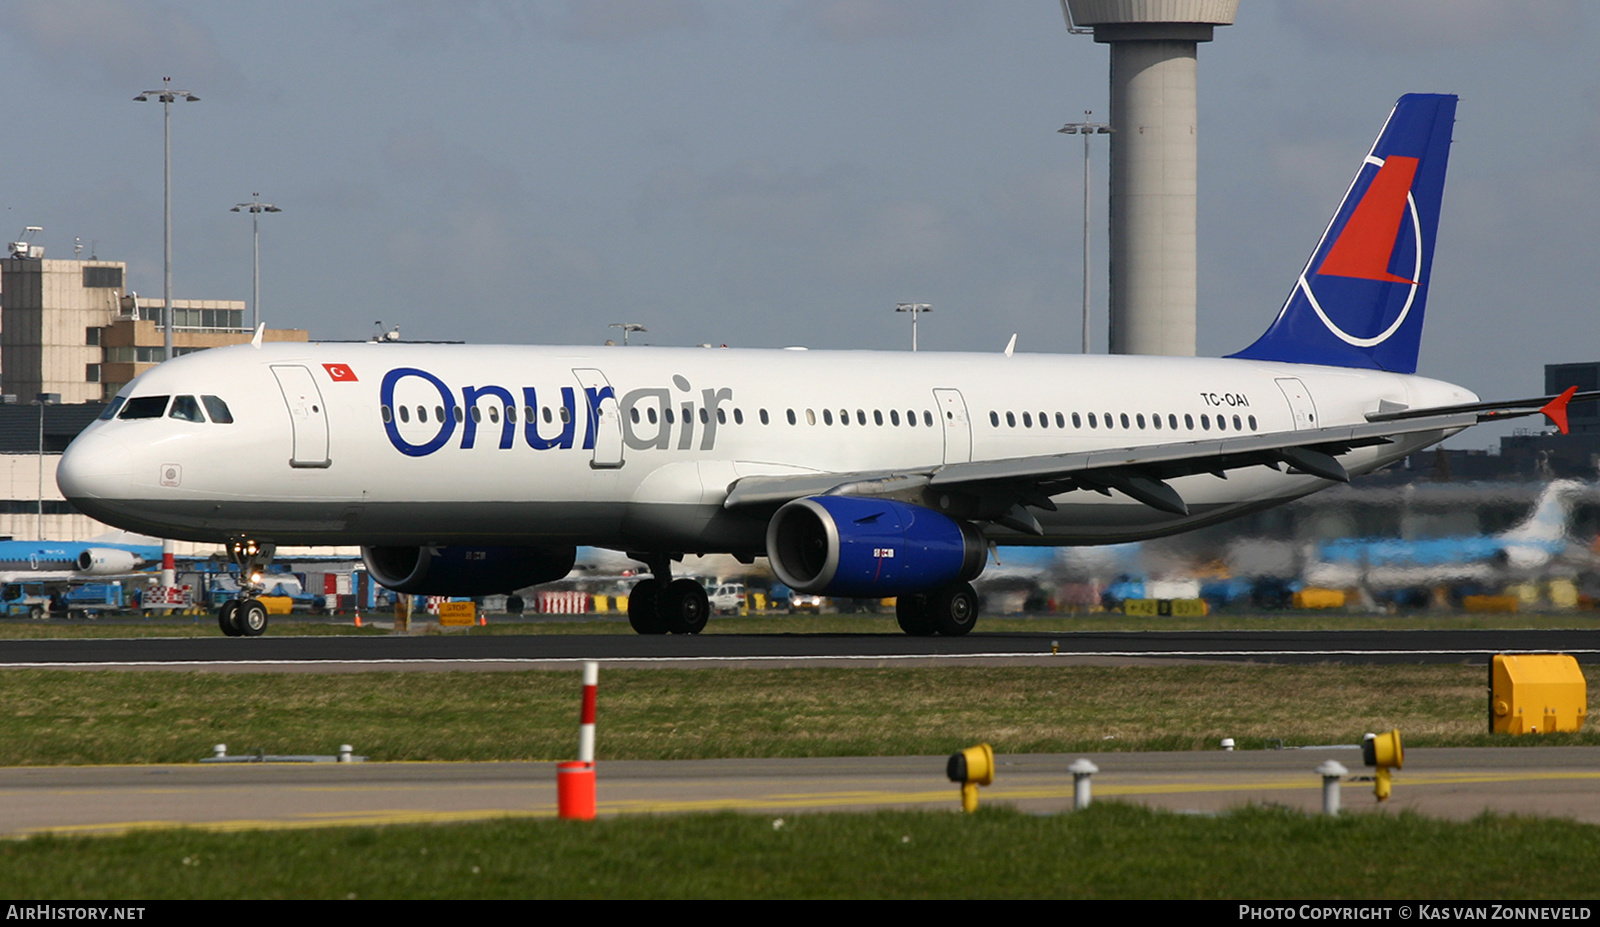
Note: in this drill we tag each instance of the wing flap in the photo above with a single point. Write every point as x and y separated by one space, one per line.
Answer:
1139 472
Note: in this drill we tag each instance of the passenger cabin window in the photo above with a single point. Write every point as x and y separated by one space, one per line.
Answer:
144 407
218 410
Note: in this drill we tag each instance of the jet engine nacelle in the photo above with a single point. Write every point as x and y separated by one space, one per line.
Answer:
466 571
861 546
1525 556
105 561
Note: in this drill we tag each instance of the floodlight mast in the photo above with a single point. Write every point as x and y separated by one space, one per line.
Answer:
167 95
255 207
915 309
627 329
1086 129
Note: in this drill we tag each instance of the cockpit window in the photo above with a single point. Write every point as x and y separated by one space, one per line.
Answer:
110 411
217 409
187 409
144 407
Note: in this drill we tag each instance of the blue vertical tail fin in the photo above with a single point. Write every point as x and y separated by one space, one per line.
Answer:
1359 302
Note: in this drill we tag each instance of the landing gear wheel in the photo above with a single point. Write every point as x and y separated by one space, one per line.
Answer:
912 613
685 608
644 608
228 618
514 604
251 618
953 609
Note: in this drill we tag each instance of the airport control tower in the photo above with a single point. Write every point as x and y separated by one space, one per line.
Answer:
1153 162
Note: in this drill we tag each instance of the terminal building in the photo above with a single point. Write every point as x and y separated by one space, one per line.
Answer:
71 328
71 336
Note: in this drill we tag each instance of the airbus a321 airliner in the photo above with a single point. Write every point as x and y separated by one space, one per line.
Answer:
466 470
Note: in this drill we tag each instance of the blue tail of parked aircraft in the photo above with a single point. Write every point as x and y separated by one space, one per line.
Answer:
1359 302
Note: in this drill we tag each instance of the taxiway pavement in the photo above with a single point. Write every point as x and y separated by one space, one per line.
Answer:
1457 783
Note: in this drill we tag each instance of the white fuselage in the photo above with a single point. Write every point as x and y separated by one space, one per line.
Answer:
320 452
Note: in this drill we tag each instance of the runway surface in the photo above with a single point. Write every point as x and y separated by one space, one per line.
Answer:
534 651
1450 783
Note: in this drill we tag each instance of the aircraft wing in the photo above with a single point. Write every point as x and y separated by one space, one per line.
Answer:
1005 489
37 576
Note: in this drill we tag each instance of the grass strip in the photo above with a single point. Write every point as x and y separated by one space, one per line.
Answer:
206 625
64 717
1109 851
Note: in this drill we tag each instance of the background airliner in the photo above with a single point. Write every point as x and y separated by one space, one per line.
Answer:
75 561
1387 563
467 470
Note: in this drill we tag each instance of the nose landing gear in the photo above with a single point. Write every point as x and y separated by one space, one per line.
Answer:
244 615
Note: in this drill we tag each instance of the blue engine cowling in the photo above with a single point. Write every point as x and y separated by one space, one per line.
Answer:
466 571
861 546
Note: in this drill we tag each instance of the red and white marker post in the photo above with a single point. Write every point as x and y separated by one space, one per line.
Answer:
575 781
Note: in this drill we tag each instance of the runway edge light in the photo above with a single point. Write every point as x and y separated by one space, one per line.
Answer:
1536 693
971 768
1384 752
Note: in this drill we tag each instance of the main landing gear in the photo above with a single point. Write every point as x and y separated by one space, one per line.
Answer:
244 615
663 605
948 610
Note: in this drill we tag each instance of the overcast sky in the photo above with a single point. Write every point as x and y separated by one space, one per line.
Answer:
777 173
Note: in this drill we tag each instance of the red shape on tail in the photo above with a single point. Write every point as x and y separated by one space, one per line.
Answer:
1366 243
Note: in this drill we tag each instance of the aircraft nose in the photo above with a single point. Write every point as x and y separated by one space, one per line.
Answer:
95 466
